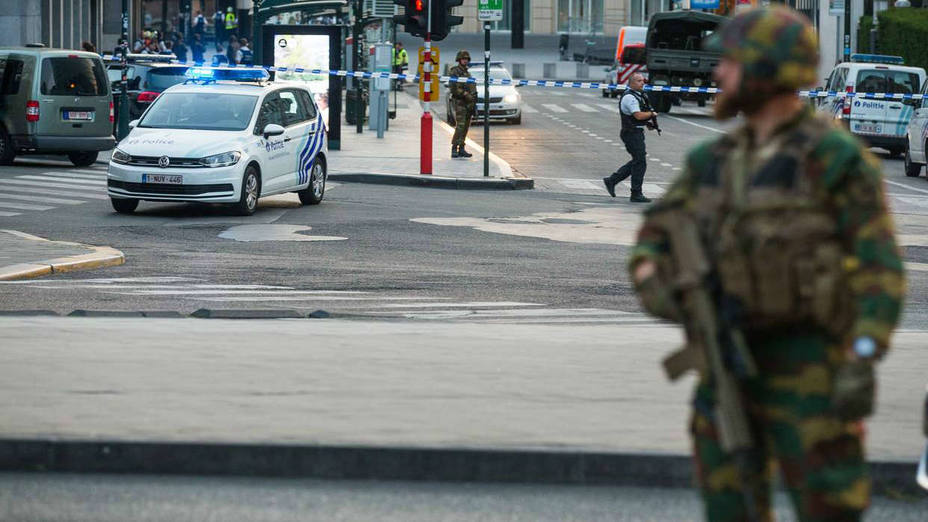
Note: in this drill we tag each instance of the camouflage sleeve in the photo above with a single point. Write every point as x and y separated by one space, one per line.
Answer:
854 183
454 87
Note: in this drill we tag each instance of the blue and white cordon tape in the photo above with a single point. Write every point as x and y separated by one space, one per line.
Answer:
549 83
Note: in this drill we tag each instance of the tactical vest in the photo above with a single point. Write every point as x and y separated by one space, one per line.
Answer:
772 238
629 122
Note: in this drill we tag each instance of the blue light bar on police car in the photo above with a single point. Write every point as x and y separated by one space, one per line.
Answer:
236 74
877 58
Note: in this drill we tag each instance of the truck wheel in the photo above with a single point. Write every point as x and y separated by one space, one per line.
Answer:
6 148
701 102
663 103
912 170
124 206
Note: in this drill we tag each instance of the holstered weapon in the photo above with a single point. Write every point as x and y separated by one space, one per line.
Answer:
715 346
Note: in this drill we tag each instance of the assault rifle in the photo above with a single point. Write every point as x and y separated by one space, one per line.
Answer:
653 125
715 345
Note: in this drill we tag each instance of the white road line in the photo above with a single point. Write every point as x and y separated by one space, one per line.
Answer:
713 129
22 206
580 184
476 304
653 189
101 280
528 109
903 185
553 107
40 199
666 165
74 176
654 159
87 182
311 298
249 292
555 93
8 214
118 286
583 107
608 107
89 171
97 191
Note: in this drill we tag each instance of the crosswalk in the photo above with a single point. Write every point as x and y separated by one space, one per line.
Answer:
590 107
47 190
194 293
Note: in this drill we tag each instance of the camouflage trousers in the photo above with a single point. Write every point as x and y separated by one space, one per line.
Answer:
463 112
820 457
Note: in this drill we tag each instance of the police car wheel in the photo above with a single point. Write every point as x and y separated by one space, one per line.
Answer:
83 159
124 206
313 194
517 120
912 170
251 190
6 148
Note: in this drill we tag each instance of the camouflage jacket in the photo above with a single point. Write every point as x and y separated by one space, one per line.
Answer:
845 184
462 92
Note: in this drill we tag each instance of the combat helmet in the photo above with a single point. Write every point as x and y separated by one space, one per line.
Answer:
462 54
776 46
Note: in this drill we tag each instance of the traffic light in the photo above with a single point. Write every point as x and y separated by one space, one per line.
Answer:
442 19
414 18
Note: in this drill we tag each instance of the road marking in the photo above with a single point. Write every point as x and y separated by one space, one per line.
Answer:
555 93
8 214
666 165
528 109
608 107
87 182
40 199
242 292
222 299
903 185
583 107
89 171
654 159
32 190
476 304
553 107
655 189
713 129
100 280
56 185
580 184
75 176
22 206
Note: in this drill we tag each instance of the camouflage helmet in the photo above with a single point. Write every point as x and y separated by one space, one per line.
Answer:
775 45
462 54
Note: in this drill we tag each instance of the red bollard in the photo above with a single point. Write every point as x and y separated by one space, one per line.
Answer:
425 152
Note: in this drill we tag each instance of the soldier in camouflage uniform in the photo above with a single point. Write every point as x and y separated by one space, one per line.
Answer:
464 102
791 212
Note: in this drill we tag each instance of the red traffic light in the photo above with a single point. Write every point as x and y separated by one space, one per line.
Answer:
420 6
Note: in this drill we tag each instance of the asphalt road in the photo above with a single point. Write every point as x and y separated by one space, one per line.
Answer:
105 498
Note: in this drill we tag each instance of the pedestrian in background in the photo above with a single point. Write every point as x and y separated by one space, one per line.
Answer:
232 48
89 47
218 24
635 113
180 49
197 49
199 24
244 55
464 101
400 62
782 226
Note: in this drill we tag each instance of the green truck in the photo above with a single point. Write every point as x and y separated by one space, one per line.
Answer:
675 56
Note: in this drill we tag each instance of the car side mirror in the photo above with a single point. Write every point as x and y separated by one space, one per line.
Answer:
272 129
133 124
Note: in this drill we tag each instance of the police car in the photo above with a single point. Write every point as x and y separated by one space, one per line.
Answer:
880 123
226 135
916 153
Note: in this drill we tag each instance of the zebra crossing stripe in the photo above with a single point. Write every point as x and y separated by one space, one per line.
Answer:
75 176
608 107
583 107
65 180
528 109
476 304
553 107
30 189
41 199
30 183
8 214
23 206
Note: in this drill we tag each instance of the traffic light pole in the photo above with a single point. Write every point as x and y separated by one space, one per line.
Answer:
425 153
486 99
122 128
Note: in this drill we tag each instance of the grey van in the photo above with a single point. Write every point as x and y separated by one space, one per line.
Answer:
54 101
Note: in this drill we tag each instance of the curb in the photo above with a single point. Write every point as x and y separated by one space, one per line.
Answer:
100 257
378 463
417 180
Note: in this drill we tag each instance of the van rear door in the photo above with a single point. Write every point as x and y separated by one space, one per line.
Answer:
876 117
74 97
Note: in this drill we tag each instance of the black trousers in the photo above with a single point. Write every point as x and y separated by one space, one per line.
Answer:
634 144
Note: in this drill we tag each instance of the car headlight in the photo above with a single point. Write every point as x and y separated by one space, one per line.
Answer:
221 160
120 157
511 98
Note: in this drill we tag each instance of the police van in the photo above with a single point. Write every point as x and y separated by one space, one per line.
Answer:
916 153
880 123
226 135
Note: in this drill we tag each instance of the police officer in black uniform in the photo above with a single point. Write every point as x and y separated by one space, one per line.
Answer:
636 113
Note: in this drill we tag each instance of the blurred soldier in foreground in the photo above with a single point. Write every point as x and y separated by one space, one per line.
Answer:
464 101
775 250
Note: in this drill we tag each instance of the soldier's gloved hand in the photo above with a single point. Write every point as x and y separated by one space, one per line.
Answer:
854 385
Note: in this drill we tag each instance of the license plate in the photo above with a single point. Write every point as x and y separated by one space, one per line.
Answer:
871 128
77 115
163 178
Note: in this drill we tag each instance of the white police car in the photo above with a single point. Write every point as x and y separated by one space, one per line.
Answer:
880 123
916 153
224 136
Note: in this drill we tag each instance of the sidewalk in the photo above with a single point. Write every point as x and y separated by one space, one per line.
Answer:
24 256
363 399
394 159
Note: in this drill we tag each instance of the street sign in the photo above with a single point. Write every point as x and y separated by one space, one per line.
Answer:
704 4
836 7
434 90
489 10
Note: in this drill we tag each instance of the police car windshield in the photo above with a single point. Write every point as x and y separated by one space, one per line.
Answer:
496 73
200 111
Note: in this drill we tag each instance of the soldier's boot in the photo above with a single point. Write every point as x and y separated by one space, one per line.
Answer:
463 153
454 151
638 197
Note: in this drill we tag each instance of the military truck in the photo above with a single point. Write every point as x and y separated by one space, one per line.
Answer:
675 56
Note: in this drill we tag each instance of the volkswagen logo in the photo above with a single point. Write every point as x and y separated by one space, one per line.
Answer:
164 161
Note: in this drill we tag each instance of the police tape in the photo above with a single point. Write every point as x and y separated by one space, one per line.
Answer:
541 83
